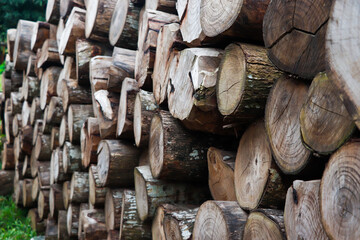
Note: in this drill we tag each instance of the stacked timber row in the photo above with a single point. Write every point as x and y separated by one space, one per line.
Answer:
194 119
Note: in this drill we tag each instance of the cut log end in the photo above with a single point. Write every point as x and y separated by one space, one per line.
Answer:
91 13
156 145
141 195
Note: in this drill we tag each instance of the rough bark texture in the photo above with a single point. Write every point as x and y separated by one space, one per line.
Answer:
52 14
36 223
43 203
113 208
49 54
7 181
97 193
79 190
92 224
62 228
71 157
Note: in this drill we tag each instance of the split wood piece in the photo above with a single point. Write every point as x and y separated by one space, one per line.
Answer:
302 211
43 203
18 189
77 115
340 57
265 224
8 120
55 111
72 93
131 227
66 194
176 153
31 88
151 193
92 224
42 147
240 19
107 106
71 158
245 78
98 19
44 174
89 141
113 204
282 122
26 169
85 50
257 179
41 32
54 138
7 157
144 109
169 43
22 45
74 29
179 224
35 222
338 204
59 173
73 214
16 125
221 166
62 225
64 131
49 54
6 182
97 193
220 220
160 5
66 7
122 66
35 112
56 200
16 80
79 189
48 85
38 126
26 139
150 24
324 121
15 103
295 45
129 90
69 68
116 162
52 14
124 26
10 42
27 194
51 231
30 70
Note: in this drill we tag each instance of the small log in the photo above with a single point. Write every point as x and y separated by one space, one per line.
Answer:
174 152
71 158
42 148
125 24
26 170
66 7
16 80
73 213
30 70
36 223
56 202
49 54
37 130
62 225
51 231
60 30
19 155
8 120
35 189
6 182
125 116
74 29
31 88
265 223
116 160
74 94
18 190
40 34
15 102
54 138
64 131
7 157
35 112
151 193
113 235
77 115
324 121
113 203
55 111
221 166
92 224
59 172
48 85
26 139
59 84
131 227
6 85
10 42
144 109
16 125
27 194
22 48
79 189
98 19
97 193
282 122
219 220
66 194
90 139
52 14
302 211
122 66
70 68
43 203
25 115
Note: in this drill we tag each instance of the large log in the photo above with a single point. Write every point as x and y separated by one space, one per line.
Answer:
339 205
42 148
324 121
52 14
77 115
55 111
73 213
36 223
98 19
124 25
79 189
302 211
221 166
92 224
49 54
56 202
71 158
10 42
219 220
265 224
151 193
22 48
43 203
282 122
48 85
66 7
257 179
113 208
41 32
6 182
27 194
73 93
116 161
97 193
296 45
176 153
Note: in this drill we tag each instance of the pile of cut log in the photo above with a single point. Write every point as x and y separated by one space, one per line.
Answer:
187 119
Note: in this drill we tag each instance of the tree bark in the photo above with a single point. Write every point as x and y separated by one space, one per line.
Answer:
40 34
116 161
92 224
7 157
27 194
52 14
220 220
48 85
62 227
66 194
77 115
42 148
55 111
10 42
72 93
43 203
161 5
22 45
15 102
6 181
97 193
71 156
302 211
151 193
16 80
79 191
59 172
35 112
282 122
113 208
296 45
66 7
56 200
31 88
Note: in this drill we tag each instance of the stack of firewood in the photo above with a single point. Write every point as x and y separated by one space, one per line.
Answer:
187 119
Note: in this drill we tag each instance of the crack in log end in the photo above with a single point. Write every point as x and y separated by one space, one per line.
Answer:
295 196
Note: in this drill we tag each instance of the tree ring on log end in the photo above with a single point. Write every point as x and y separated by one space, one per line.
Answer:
118 21
259 226
156 146
171 228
